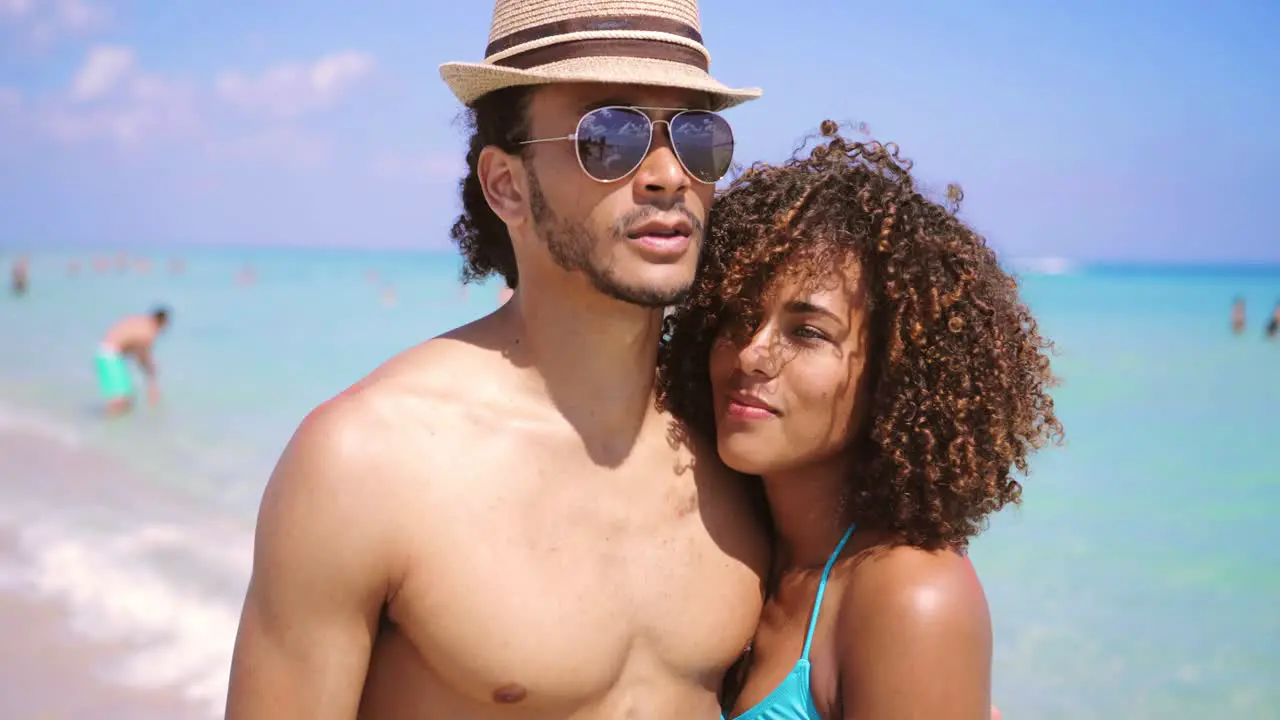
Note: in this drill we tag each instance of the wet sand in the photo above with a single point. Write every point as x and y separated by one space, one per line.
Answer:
47 670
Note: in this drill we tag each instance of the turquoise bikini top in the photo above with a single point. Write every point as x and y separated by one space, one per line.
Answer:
793 699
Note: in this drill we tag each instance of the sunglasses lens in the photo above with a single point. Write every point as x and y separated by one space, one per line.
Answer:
612 142
704 142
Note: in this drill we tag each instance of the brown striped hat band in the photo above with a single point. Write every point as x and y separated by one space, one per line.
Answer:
506 51
642 42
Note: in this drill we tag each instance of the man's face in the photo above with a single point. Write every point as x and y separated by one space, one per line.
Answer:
636 239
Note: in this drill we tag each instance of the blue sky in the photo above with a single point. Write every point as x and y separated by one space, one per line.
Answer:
1084 129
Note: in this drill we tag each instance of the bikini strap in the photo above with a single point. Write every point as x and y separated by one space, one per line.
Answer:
822 588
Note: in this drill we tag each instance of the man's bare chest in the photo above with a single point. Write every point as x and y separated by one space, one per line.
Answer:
568 586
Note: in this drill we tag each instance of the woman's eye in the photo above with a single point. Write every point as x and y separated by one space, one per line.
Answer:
809 332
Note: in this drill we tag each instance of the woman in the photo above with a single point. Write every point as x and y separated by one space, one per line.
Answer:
857 348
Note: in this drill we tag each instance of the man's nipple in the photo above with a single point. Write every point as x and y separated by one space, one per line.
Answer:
509 694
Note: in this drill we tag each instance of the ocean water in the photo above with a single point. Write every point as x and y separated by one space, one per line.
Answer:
1140 578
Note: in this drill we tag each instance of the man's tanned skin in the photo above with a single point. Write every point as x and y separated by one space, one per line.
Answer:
498 523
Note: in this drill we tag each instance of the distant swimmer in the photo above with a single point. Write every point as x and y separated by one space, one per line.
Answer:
131 337
1273 327
21 275
1238 316
504 295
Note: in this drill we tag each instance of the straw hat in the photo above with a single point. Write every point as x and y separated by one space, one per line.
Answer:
642 42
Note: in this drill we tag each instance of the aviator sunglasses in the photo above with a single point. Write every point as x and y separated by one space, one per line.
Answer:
613 141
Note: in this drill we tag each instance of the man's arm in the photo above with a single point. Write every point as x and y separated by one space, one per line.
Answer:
320 577
146 362
148 366
915 639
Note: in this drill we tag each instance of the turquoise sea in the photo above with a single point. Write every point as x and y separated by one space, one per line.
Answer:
1140 578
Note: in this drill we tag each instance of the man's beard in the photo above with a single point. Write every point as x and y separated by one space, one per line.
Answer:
571 247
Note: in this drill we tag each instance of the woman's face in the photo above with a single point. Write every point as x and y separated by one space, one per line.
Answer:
785 397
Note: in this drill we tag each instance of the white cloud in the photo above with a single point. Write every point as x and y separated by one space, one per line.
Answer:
151 110
293 89
78 15
111 98
334 74
105 70
45 21
15 9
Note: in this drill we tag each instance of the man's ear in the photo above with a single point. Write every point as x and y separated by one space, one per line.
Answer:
502 178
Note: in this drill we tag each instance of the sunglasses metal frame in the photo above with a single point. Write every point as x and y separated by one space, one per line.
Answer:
652 123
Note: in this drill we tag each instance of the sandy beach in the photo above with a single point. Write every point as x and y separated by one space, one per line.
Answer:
49 670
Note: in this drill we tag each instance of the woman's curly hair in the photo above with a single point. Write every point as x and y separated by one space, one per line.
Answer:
958 372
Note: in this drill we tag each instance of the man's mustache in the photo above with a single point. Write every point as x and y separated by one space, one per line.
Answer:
643 214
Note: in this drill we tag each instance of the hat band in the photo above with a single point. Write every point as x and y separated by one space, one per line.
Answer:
615 23
606 47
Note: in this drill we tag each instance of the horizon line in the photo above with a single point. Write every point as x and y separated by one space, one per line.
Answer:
1063 264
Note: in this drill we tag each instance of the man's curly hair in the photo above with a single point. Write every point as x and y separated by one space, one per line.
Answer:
958 372
499 118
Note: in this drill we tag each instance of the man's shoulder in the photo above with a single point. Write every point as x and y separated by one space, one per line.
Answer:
358 423
129 329
728 500
420 399
454 368
359 458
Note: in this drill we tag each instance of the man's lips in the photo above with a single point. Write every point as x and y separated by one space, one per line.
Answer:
677 227
662 240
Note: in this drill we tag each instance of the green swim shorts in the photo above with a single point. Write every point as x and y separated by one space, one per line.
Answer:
114 380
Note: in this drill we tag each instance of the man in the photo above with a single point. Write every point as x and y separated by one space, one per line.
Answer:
131 337
1238 316
21 276
498 523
